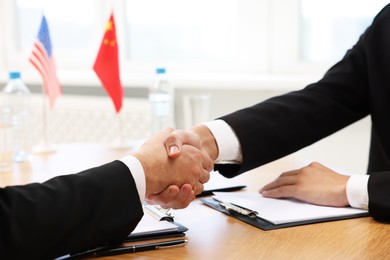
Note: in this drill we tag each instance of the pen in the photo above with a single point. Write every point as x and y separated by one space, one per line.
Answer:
238 209
210 192
88 253
142 247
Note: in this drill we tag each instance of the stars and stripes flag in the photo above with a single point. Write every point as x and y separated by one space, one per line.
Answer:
107 65
43 60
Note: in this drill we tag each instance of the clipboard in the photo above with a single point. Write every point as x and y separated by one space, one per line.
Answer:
153 213
158 214
267 225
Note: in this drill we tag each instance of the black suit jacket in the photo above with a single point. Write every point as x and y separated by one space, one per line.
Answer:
357 86
69 213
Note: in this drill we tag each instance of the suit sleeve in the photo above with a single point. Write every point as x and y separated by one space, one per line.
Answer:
68 213
379 195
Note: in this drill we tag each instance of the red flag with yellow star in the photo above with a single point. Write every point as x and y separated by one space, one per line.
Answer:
107 65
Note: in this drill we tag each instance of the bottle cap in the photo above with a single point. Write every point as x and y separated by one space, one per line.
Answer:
14 75
160 70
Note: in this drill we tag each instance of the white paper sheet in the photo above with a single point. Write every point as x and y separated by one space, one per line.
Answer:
280 211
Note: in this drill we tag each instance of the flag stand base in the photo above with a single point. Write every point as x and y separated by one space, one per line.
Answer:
120 144
43 148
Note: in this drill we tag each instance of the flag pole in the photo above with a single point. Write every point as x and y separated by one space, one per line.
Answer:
42 59
120 143
106 67
43 147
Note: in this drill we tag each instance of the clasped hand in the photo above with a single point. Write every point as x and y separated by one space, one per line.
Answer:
173 182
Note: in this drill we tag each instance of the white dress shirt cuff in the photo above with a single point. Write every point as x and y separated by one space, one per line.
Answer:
357 192
138 174
229 148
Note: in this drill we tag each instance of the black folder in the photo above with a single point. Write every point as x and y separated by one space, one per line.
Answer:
179 232
266 225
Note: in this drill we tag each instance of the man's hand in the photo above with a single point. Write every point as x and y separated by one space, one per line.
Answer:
314 184
173 197
189 171
199 136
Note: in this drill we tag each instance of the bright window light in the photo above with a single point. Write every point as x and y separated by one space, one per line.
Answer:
71 23
330 27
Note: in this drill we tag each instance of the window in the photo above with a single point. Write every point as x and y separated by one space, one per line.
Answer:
329 28
227 35
311 35
72 22
219 37
72 27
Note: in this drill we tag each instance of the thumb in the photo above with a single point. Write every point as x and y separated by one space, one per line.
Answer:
173 146
177 139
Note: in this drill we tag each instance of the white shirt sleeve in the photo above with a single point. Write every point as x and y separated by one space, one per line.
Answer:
138 173
357 192
229 148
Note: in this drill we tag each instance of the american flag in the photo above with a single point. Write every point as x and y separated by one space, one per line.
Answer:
43 60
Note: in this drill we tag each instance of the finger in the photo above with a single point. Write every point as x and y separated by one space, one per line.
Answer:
205 177
177 139
173 145
281 192
183 198
198 188
319 166
207 162
189 138
279 182
165 196
289 173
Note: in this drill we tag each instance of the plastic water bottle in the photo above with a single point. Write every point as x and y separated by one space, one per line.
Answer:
161 99
16 96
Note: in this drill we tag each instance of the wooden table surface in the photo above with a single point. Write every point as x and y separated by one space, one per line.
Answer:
213 235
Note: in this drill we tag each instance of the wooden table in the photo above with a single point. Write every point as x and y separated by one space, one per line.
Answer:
213 235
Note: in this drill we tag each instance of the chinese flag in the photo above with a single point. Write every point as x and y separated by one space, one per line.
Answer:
107 65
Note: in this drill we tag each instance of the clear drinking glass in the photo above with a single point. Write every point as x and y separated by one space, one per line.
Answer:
196 109
5 140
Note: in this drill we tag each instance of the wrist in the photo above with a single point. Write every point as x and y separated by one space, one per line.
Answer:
147 168
357 192
208 141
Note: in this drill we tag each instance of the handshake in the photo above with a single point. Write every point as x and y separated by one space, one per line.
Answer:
176 164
